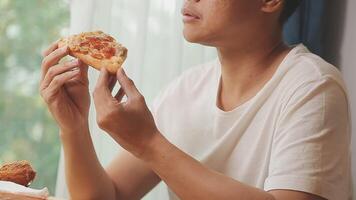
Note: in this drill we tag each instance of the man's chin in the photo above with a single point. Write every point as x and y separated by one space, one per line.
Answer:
193 37
190 38
198 39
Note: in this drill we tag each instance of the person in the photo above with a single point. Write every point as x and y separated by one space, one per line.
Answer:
262 121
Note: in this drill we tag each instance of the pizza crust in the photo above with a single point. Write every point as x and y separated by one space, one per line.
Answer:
112 64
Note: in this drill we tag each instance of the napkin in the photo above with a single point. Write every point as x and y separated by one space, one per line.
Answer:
13 188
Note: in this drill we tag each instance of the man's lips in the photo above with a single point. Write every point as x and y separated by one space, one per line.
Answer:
190 15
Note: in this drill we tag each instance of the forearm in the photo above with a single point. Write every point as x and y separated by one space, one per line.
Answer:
86 178
189 179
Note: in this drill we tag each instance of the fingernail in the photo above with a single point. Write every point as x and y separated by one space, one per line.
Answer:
75 62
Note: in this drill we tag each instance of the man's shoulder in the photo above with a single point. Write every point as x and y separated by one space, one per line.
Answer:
304 67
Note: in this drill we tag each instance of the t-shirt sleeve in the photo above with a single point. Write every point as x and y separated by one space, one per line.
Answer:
311 145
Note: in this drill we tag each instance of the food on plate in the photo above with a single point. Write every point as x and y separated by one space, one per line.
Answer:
11 196
19 172
96 49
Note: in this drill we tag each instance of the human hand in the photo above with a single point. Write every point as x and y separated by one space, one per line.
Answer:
64 88
130 123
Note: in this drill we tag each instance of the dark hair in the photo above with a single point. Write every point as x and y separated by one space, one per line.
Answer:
288 9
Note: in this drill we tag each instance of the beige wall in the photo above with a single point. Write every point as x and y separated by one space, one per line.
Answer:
340 43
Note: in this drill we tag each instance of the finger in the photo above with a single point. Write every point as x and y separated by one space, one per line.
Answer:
127 84
58 69
60 80
83 68
104 79
52 59
119 95
50 49
102 93
112 82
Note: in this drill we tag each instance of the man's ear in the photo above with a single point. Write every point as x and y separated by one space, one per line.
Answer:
271 6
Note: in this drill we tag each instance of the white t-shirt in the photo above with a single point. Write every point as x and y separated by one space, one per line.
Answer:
294 134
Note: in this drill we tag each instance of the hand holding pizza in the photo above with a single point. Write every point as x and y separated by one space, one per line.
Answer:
129 123
64 87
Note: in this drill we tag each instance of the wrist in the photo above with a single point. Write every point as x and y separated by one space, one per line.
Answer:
65 133
155 148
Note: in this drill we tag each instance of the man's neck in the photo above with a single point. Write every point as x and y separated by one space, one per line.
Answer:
245 67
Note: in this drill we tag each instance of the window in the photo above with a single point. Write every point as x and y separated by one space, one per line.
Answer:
27 130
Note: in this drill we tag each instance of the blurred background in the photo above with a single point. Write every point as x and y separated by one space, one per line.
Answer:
26 129
151 29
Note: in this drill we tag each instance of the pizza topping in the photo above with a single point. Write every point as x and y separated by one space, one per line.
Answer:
108 39
97 56
84 43
92 39
109 52
98 45
75 48
83 51
106 44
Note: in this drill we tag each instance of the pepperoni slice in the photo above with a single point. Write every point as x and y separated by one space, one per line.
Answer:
93 39
109 52
108 55
84 43
98 46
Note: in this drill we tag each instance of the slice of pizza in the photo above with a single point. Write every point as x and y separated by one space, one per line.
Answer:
96 49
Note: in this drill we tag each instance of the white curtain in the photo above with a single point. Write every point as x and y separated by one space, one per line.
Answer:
152 31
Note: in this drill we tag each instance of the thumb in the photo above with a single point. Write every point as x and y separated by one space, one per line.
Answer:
127 84
83 68
102 90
